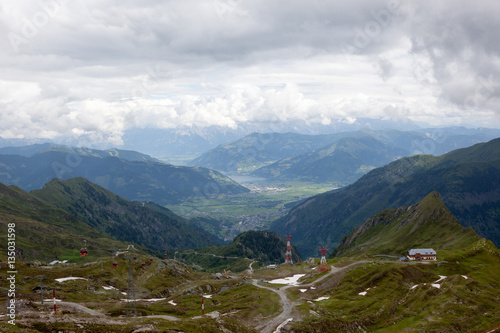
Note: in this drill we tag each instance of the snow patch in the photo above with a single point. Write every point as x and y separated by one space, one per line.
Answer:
109 288
207 296
172 302
278 329
292 280
363 293
144 300
441 277
415 286
303 290
321 298
436 285
69 278
465 277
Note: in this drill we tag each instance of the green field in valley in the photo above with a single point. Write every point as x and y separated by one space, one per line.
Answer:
228 215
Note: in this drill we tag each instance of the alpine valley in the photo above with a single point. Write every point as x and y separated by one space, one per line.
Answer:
121 241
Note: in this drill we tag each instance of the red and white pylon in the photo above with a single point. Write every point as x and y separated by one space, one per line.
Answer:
288 254
54 296
323 266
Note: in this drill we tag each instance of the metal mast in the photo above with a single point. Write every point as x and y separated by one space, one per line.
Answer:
131 290
323 266
288 254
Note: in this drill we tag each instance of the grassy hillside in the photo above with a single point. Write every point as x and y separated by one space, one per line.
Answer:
149 225
468 180
428 224
458 294
44 232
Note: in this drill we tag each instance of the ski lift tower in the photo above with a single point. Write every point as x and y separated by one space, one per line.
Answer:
288 254
323 266
131 305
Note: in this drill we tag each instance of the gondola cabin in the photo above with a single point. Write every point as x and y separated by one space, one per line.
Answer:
83 252
115 264
151 259
143 265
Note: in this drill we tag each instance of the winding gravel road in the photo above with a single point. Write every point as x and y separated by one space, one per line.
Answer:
285 315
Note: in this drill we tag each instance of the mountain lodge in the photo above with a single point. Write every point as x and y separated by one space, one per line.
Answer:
421 254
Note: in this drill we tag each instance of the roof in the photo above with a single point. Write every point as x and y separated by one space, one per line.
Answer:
412 252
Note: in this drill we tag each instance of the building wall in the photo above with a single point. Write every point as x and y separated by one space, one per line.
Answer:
427 257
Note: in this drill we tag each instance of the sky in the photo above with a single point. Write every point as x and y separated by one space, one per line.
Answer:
98 67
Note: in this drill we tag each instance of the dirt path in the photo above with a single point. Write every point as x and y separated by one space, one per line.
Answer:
81 308
101 316
268 326
285 315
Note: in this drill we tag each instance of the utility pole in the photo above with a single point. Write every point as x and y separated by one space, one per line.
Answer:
54 295
41 287
100 254
131 290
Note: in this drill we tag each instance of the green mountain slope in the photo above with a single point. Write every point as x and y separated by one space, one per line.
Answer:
146 224
342 162
458 294
468 180
135 180
45 232
428 224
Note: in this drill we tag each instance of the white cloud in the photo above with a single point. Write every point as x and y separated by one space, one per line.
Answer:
94 69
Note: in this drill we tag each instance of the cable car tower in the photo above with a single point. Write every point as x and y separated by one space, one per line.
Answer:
323 266
288 254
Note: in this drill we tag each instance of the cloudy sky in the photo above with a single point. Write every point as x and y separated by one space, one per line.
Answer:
100 67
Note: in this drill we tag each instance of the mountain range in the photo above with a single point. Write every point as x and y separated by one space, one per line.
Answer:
131 175
468 180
